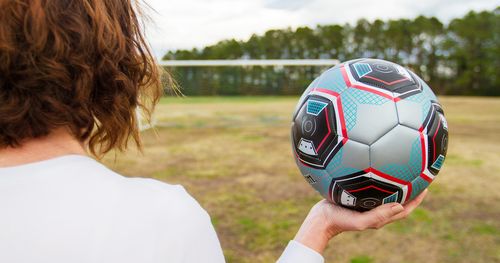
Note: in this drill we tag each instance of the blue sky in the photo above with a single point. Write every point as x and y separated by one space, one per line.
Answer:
195 23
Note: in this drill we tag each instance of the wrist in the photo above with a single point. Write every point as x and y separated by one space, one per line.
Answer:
315 233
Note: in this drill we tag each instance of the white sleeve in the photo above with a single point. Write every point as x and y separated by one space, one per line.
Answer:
295 252
189 236
200 241
204 244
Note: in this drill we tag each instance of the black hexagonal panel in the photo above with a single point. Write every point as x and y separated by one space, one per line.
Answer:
363 193
437 138
385 75
314 131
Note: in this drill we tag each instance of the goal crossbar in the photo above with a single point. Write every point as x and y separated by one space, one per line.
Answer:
249 62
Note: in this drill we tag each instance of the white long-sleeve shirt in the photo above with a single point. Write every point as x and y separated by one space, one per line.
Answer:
74 209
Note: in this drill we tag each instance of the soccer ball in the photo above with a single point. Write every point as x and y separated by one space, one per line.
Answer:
369 132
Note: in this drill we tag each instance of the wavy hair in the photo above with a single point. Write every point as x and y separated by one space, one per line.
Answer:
80 64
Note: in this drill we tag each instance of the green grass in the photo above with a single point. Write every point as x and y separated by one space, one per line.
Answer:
421 215
483 228
362 259
233 155
454 159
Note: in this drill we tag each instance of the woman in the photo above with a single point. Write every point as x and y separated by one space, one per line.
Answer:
72 75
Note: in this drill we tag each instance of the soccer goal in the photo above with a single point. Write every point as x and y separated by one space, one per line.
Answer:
276 63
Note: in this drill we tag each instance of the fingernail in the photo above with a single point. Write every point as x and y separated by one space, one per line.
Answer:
396 208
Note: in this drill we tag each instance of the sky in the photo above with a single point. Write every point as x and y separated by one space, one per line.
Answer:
185 24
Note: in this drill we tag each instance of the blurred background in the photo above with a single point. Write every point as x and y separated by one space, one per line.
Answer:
228 140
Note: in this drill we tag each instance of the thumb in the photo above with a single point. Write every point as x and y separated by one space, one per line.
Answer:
378 216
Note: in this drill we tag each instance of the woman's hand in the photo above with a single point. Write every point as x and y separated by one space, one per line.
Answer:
326 220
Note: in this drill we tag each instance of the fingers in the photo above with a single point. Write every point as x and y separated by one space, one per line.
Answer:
388 213
416 202
378 216
410 206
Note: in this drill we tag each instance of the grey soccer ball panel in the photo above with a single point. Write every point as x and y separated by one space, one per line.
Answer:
319 179
398 153
377 119
410 113
352 158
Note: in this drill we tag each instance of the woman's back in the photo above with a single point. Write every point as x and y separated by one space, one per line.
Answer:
73 209
73 75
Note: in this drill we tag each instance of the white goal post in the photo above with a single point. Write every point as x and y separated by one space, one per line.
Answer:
144 125
249 62
142 122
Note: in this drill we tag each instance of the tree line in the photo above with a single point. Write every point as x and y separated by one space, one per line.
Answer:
459 58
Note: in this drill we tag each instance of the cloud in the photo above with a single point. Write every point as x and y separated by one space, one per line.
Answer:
196 23
286 4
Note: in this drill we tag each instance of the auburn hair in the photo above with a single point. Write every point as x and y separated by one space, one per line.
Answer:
84 65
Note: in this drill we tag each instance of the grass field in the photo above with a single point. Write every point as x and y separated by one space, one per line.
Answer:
234 156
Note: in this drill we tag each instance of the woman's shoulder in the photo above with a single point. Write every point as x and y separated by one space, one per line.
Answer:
137 194
159 196
163 194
